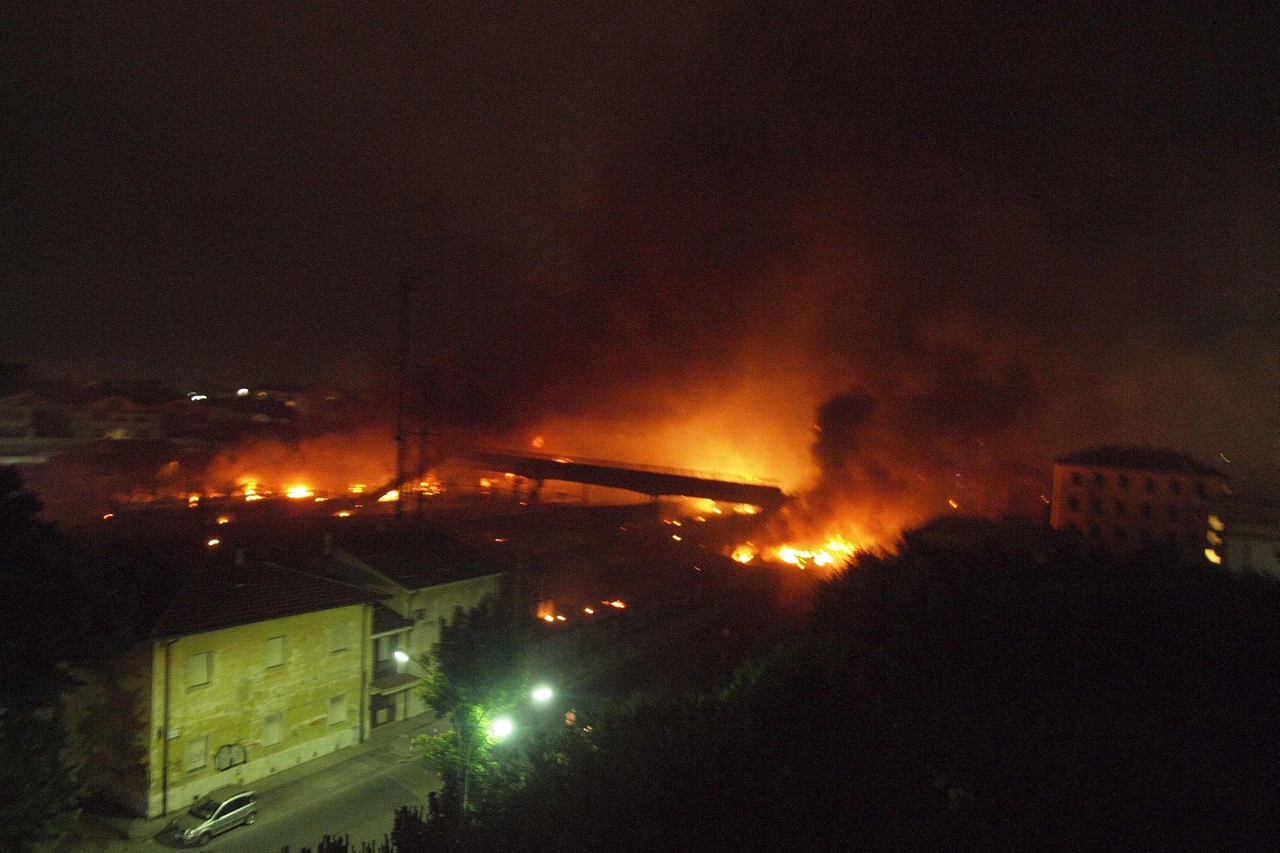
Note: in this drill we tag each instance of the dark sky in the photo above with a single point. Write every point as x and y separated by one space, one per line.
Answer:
1017 231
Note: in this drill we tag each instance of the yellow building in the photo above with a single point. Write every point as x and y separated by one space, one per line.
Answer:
254 668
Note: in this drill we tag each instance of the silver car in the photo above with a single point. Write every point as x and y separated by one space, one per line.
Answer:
214 815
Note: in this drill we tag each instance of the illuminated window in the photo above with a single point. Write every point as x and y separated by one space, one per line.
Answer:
197 757
340 637
199 668
273 654
273 729
337 709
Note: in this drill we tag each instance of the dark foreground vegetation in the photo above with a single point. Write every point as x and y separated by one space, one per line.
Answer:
985 689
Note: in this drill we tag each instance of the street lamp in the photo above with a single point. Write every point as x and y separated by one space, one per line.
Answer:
541 694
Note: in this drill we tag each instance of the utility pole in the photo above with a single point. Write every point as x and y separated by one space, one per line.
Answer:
408 280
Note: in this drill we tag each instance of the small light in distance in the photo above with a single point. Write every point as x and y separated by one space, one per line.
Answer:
548 618
588 610
193 500
242 392
393 495
1213 556
675 537
400 656
224 519
108 516
542 693
953 503
560 617
501 727
618 603
342 513
213 542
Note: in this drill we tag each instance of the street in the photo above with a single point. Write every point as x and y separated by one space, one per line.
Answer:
363 812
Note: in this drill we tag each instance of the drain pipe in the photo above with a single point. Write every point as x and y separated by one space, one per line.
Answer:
164 735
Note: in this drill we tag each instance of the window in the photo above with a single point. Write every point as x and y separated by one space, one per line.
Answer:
1073 503
199 668
337 709
1100 480
1151 485
197 757
1173 512
340 637
1122 509
1175 486
1146 510
1094 530
273 730
1095 505
1076 479
273 655
1124 481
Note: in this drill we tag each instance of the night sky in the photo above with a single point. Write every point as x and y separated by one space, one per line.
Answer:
977 235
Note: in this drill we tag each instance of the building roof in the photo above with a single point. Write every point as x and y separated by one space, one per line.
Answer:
418 557
387 621
224 596
1139 459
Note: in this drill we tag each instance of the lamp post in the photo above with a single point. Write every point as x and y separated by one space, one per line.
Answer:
499 729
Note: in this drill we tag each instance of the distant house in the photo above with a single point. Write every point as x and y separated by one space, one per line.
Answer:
1128 498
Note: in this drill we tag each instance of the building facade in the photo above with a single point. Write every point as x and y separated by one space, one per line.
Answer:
1131 498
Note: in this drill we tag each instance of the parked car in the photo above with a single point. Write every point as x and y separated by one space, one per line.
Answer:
215 815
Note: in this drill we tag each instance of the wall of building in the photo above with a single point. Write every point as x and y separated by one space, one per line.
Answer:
243 695
1128 509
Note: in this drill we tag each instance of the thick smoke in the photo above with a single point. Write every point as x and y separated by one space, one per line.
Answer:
981 236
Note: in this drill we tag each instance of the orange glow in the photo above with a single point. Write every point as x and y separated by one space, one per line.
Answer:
953 503
537 442
108 515
744 553
193 500
588 610
618 603
835 549
345 513
299 492
559 618
393 495
549 618
213 542
357 488
224 519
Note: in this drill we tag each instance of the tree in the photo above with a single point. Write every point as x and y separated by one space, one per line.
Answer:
37 794
474 673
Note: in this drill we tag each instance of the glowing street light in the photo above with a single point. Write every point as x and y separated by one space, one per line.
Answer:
542 693
501 727
401 656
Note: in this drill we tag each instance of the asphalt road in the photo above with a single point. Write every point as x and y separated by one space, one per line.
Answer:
362 812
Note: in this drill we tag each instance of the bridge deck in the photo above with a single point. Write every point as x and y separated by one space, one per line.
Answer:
619 476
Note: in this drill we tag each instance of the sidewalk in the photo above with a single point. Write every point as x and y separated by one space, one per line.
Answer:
277 794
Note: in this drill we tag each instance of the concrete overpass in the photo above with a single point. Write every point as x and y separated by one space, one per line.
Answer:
654 482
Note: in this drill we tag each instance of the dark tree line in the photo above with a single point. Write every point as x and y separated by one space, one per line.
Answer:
998 690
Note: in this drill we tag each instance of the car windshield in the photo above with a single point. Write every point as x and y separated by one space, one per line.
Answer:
204 810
